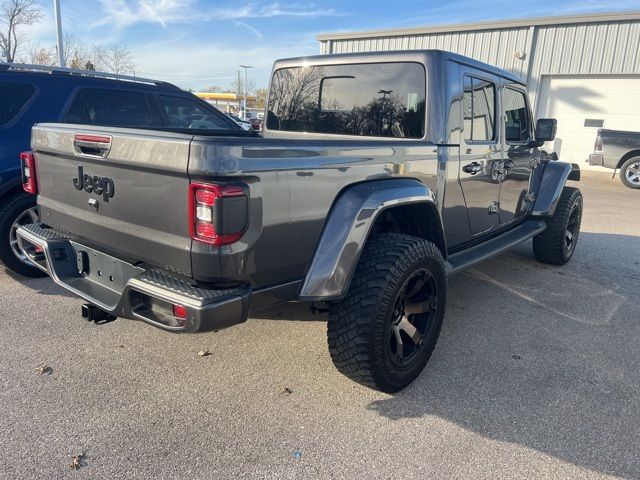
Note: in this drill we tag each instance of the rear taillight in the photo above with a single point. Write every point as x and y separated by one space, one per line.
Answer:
598 145
28 168
218 214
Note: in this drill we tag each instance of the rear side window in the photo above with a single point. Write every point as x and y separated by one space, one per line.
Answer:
77 113
113 108
13 96
479 106
183 112
374 100
516 116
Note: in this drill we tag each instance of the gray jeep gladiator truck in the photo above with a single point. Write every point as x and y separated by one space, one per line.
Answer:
378 176
618 150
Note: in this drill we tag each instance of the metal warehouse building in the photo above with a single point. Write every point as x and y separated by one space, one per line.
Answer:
583 70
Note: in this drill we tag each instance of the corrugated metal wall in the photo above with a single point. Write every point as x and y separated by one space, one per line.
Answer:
584 49
495 47
563 49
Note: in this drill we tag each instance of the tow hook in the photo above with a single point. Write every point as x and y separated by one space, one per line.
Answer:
91 313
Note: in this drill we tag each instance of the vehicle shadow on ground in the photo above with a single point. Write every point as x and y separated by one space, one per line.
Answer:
521 360
295 311
41 286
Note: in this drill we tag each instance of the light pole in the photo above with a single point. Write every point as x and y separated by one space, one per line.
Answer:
56 11
244 100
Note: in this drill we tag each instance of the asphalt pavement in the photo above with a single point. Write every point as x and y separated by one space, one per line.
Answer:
536 374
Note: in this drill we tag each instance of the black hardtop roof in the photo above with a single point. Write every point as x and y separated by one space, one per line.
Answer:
397 55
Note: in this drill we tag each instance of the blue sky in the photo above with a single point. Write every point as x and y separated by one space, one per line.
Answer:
197 43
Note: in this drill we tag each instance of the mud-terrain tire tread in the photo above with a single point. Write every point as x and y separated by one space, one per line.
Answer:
355 340
548 247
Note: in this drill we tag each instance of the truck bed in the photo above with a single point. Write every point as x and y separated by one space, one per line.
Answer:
146 220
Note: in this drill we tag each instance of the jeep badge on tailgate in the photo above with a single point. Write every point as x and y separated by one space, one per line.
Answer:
92 183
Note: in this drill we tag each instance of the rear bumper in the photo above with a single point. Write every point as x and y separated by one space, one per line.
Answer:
134 291
603 160
596 159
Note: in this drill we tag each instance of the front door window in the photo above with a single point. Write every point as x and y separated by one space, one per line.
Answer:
516 167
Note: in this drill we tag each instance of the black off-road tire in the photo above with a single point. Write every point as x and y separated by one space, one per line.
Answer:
625 168
551 246
361 323
13 208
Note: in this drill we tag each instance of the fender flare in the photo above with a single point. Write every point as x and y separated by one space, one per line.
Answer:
346 231
554 178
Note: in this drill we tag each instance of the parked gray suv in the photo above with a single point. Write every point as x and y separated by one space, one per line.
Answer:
378 176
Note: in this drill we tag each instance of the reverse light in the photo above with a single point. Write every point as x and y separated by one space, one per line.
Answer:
218 213
28 170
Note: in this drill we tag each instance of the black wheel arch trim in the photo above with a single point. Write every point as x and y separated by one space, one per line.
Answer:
554 178
348 227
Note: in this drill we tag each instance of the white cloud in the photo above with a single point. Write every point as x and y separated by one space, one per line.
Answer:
125 13
251 29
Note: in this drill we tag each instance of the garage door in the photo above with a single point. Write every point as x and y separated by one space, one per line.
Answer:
584 104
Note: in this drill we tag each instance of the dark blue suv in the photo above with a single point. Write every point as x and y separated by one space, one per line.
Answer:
30 94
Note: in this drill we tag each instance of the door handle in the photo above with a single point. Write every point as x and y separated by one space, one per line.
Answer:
92 145
473 168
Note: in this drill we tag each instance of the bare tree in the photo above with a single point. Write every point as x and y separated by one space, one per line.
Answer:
261 96
116 58
98 54
237 86
15 14
76 53
39 55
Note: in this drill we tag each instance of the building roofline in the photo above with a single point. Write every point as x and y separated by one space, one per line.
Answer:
489 25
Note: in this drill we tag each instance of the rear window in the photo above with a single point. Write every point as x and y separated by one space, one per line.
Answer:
13 96
183 112
112 108
374 100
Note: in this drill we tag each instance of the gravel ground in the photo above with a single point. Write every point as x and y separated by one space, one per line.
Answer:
536 374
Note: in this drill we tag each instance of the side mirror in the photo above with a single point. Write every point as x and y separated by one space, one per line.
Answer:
546 129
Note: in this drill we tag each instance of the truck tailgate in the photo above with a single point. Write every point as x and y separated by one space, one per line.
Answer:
124 191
